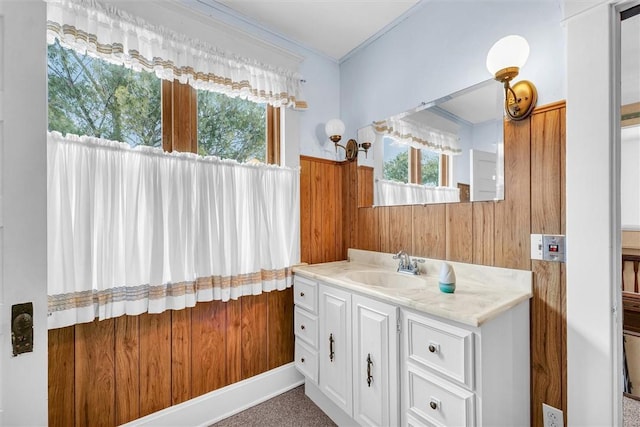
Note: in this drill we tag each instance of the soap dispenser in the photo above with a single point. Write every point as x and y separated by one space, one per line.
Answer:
447 280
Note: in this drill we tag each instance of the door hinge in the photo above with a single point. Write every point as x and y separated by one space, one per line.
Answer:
398 324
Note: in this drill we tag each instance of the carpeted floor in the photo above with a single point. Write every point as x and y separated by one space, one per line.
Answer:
294 409
631 412
290 409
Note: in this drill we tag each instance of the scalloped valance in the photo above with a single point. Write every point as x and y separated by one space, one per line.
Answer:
106 32
418 136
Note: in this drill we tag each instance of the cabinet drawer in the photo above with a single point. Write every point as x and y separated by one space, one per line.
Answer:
440 347
439 402
306 326
306 361
305 293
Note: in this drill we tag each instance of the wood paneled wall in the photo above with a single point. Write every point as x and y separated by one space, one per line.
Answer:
365 189
109 372
488 233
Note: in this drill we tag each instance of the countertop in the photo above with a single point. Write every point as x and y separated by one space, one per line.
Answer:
482 293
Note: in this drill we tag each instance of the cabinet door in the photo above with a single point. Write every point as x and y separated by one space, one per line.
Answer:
375 364
335 346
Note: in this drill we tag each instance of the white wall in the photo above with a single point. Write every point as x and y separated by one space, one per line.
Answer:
23 236
592 230
442 48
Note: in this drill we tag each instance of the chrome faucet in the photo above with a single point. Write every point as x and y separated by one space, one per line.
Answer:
406 265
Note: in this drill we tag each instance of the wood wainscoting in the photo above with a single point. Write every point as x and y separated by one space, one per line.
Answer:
109 372
488 233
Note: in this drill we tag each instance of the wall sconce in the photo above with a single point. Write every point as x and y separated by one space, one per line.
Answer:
334 129
504 60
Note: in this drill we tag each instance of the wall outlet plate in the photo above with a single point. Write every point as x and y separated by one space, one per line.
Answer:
552 417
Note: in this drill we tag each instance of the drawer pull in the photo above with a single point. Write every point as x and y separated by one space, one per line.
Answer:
369 376
434 348
301 294
302 327
331 353
434 403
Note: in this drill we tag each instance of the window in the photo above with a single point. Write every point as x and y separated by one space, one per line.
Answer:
429 168
410 165
396 161
231 128
89 96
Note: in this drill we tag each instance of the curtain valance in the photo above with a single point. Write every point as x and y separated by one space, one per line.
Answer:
113 35
134 230
418 136
393 193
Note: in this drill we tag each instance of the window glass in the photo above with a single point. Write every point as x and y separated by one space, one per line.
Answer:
231 128
430 168
396 161
88 96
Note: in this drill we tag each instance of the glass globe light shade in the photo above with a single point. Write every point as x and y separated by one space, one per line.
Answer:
509 51
334 127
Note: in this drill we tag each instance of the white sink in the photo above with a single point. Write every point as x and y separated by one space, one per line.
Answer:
387 279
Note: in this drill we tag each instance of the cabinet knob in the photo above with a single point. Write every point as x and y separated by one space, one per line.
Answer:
302 327
302 360
433 405
432 349
301 294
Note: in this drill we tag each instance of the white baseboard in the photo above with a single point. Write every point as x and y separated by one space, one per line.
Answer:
219 404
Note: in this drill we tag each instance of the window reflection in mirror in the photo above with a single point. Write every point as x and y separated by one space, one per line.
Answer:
425 155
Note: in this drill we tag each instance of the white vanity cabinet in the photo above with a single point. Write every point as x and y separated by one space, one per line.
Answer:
356 353
335 347
375 362
378 360
305 324
458 375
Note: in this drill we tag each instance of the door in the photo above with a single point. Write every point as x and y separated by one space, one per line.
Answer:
375 364
23 207
335 346
483 175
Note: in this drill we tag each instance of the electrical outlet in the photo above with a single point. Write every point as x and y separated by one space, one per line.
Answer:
552 417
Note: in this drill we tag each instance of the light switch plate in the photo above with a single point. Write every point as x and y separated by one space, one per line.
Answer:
536 246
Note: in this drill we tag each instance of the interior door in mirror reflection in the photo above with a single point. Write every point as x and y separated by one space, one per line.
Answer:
483 175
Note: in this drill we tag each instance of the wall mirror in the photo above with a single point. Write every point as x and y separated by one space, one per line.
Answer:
443 151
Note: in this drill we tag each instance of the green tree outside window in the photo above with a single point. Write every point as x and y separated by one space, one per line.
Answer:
89 96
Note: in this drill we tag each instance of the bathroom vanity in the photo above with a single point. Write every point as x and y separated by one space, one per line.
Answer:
381 348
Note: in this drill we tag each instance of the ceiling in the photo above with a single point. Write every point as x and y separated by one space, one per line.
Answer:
336 28
331 27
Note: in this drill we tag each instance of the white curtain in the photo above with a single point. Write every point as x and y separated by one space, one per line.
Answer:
390 193
137 230
115 36
419 136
